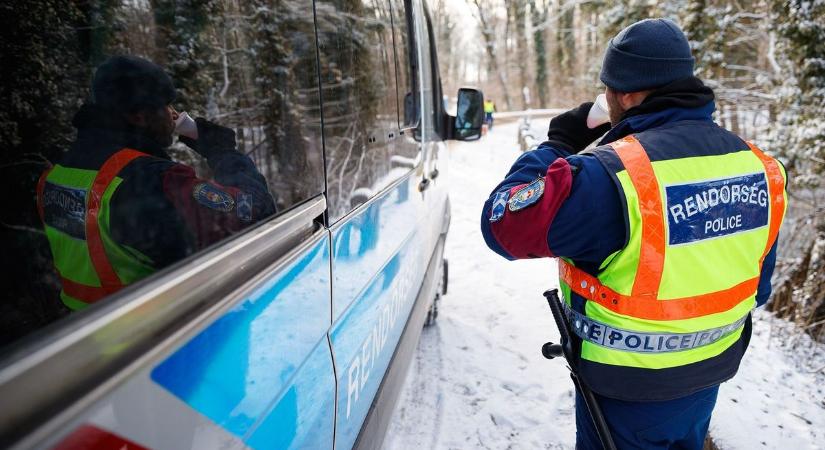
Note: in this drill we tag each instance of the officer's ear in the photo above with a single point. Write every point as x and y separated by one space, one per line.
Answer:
629 100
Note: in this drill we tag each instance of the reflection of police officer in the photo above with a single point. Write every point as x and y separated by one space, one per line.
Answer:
666 234
116 208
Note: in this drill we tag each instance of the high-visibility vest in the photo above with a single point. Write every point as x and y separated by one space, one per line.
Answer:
665 311
74 206
489 107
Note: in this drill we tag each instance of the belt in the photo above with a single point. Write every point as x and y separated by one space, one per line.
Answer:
608 336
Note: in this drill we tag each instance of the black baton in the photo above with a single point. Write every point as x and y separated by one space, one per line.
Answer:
551 350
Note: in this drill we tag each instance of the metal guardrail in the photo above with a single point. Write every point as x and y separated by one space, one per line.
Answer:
528 113
528 138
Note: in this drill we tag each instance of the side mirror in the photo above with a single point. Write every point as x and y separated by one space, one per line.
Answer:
466 125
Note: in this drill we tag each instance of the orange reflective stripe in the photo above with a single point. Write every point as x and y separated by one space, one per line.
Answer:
652 252
776 186
84 293
105 272
592 289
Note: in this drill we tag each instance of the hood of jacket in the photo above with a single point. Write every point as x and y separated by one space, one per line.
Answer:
686 99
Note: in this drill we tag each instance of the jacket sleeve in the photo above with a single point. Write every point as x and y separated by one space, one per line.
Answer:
578 216
213 210
166 212
516 235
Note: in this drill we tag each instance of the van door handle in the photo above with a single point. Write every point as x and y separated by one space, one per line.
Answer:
434 174
423 185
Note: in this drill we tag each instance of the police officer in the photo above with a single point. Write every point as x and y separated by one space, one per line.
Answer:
666 238
116 208
489 109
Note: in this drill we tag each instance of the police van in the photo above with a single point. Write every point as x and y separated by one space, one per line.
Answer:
294 332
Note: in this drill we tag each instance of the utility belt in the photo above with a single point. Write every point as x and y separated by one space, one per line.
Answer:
608 336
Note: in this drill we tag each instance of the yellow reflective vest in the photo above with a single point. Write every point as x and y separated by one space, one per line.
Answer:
74 207
667 312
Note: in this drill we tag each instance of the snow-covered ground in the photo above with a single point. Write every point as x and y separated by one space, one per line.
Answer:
478 379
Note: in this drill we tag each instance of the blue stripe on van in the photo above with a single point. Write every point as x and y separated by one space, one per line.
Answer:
264 369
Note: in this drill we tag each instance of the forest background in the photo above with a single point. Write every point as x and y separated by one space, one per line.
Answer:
765 60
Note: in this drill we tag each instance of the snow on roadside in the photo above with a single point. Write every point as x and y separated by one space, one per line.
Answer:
776 400
478 379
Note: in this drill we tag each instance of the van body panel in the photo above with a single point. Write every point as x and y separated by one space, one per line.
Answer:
266 361
95 353
258 375
378 264
367 239
142 412
378 418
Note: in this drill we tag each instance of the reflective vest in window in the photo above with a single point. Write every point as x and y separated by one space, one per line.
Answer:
74 205
669 314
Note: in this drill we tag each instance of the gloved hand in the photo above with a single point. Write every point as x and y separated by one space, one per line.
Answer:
212 139
568 131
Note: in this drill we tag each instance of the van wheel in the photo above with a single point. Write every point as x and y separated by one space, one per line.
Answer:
432 313
445 276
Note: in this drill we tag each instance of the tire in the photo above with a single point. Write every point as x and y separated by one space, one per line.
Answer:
432 313
445 277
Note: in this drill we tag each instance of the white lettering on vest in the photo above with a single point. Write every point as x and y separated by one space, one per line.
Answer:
723 224
689 206
676 211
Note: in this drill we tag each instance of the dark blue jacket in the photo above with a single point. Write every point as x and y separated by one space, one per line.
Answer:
580 216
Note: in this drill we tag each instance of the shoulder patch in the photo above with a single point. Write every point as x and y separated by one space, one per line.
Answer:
527 195
213 197
499 206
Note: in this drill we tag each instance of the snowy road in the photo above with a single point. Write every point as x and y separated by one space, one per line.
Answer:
478 379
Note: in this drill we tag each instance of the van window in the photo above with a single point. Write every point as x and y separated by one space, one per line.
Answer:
100 192
365 150
406 65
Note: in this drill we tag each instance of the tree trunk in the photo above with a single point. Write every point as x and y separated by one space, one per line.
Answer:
538 17
488 34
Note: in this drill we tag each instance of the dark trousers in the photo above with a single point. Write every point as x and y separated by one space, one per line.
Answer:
673 424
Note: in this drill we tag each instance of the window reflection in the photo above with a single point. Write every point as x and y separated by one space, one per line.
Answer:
364 66
406 64
102 194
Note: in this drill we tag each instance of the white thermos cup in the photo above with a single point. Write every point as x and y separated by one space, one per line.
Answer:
598 114
186 126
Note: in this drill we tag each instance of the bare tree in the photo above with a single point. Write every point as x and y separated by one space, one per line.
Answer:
484 17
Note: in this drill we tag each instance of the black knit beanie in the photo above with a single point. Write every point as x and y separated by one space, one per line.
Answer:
646 55
129 83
